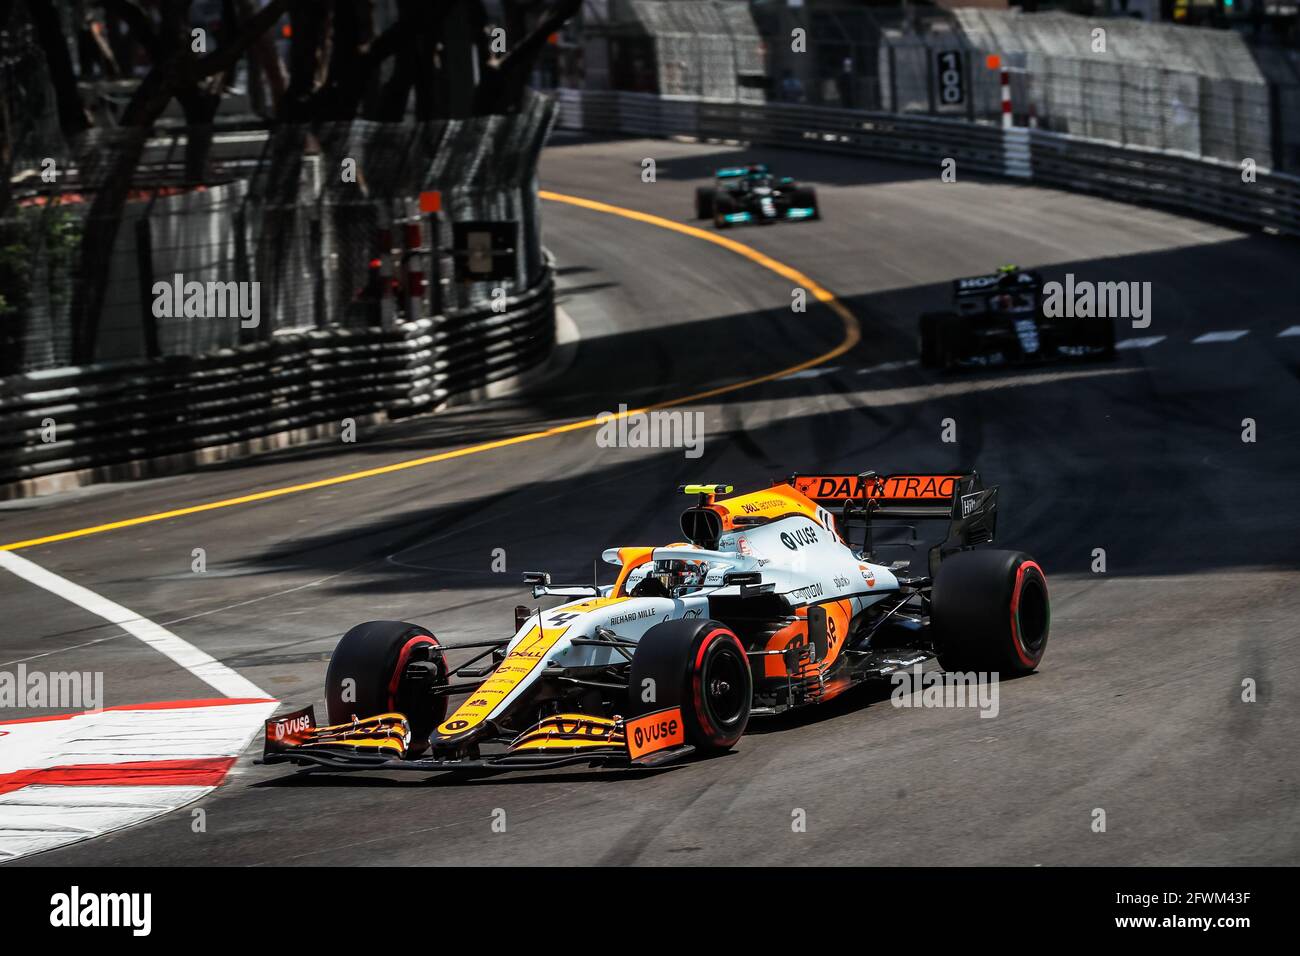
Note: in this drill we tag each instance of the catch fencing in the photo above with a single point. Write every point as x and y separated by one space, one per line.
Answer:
704 48
1201 92
300 211
342 239
1198 186
29 120
1197 92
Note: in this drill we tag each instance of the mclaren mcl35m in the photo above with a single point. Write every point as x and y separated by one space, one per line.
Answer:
999 319
773 600
742 194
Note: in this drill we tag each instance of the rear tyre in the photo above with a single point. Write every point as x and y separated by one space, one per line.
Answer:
701 667
388 667
703 202
989 611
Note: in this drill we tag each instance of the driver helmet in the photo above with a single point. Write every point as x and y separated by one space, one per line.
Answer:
676 574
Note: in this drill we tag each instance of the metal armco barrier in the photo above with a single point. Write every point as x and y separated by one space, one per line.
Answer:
1128 174
360 315
1196 186
112 420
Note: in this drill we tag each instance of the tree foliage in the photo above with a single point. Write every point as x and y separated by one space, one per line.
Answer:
435 60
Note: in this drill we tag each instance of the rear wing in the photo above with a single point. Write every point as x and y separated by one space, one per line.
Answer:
1022 280
900 496
734 172
970 509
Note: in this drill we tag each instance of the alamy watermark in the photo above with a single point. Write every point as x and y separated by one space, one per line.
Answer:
1099 300
946 689
67 690
624 429
178 299
75 909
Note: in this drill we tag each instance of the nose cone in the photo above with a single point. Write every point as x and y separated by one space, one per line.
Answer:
452 739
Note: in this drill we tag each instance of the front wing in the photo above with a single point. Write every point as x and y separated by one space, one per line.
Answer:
756 215
1024 342
384 742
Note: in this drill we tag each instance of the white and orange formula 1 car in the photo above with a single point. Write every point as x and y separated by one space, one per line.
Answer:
774 600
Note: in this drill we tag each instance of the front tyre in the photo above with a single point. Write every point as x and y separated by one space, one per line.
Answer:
701 667
383 667
989 611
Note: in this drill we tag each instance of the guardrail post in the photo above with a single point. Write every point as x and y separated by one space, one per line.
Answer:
412 244
1007 119
431 205
144 273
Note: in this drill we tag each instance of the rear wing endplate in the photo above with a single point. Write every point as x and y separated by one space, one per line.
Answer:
970 509
1023 279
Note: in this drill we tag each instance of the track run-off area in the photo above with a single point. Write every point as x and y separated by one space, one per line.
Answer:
1137 709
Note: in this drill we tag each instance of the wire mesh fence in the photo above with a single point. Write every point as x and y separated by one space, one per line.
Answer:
823 55
29 122
37 250
296 224
707 49
1200 92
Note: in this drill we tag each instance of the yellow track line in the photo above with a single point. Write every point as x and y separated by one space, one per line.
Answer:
852 334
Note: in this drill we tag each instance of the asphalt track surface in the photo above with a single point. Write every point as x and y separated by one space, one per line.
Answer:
1136 709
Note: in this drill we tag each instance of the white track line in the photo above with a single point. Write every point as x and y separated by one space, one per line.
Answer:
1289 331
810 373
888 367
206 668
1230 335
1140 343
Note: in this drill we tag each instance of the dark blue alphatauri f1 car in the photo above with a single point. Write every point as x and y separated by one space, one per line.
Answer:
743 194
999 319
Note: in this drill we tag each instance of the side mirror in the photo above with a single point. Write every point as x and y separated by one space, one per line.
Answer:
537 577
